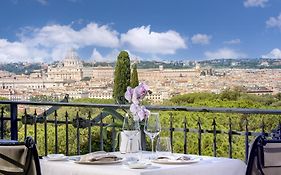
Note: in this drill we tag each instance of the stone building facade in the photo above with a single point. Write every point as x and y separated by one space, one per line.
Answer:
70 69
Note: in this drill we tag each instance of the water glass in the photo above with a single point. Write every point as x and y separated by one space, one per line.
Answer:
163 146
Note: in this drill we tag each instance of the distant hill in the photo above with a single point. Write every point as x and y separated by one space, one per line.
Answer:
20 68
247 63
253 63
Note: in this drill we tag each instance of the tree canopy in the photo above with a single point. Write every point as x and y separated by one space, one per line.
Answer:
134 77
122 76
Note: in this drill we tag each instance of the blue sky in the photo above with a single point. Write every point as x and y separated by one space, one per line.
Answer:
43 30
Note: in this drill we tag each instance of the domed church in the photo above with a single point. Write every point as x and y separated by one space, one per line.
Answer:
70 69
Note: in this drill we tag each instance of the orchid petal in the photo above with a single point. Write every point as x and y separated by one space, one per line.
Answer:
129 94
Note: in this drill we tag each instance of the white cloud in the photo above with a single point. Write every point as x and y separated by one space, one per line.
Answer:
18 52
58 53
98 57
134 57
255 3
224 53
234 41
111 56
201 39
274 22
275 53
52 41
141 39
92 34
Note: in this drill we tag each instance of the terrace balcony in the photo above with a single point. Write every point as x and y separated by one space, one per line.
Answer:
79 128
19 119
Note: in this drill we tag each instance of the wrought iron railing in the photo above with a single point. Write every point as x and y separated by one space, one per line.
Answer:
13 122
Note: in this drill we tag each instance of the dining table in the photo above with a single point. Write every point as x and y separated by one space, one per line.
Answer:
204 165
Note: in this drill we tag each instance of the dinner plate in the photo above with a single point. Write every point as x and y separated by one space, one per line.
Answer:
98 162
171 161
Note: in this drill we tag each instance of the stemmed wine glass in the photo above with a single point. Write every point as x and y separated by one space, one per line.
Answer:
152 128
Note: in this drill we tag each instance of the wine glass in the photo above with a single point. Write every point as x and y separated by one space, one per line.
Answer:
152 128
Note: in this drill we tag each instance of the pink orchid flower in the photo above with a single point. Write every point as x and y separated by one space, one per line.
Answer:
134 96
143 113
141 90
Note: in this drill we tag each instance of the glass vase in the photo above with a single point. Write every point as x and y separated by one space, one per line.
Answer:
130 138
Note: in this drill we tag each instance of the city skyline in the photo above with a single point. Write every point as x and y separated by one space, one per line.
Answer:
43 30
71 77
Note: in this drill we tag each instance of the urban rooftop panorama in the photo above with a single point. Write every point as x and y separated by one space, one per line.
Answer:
25 81
192 46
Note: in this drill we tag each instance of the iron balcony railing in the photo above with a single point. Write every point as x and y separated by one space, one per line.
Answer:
14 122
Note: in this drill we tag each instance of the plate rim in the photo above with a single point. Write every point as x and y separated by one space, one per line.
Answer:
98 162
195 160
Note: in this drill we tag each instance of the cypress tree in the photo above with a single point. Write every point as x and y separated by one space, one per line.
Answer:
134 77
122 76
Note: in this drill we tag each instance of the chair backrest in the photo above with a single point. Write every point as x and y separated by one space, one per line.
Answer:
271 157
264 157
19 158
253 164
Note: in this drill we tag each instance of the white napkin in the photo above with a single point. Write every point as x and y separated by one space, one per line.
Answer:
99 156
182 158
56 157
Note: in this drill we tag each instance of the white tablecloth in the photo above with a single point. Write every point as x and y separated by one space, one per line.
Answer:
206 166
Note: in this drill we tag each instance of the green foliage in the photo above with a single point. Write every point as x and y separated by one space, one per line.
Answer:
20 68
193 98
242 63
134 77
83 112
229 95
233 99
4 106
278 96
228 99
122 76
265 100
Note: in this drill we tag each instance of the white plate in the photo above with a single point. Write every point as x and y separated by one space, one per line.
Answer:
98 162
170 161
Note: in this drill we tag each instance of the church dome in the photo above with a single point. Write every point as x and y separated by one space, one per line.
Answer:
71 55
72 59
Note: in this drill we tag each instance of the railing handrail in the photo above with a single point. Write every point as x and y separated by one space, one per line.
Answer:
152 107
